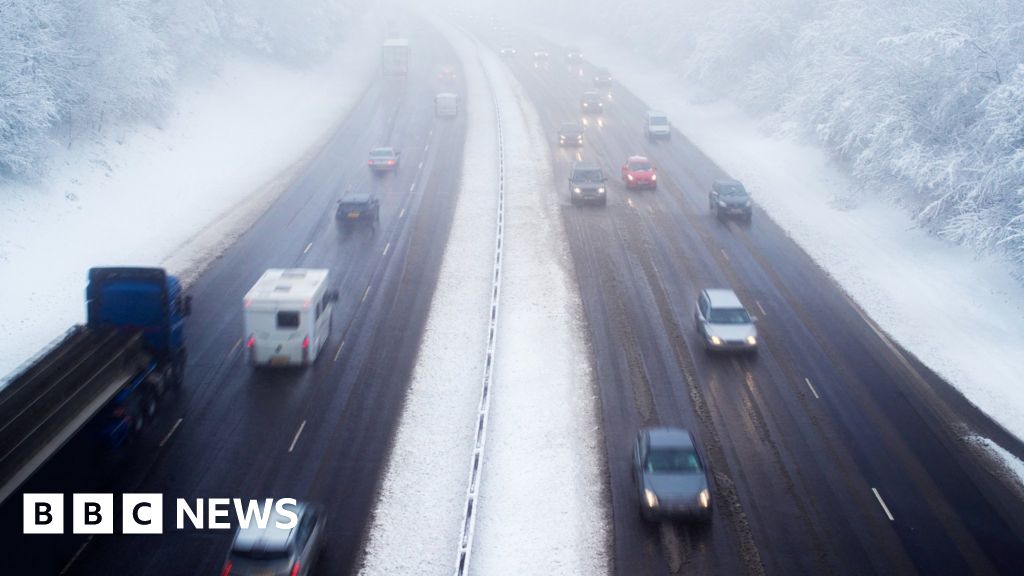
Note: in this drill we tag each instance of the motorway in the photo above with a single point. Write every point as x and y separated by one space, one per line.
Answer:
322 434
834 451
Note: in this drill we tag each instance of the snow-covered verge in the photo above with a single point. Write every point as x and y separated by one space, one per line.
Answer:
539 505
172 195
1013 464
957 312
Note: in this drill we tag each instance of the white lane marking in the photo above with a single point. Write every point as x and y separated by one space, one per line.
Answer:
297 434
650 209
169 434
882 502
724 255
77 554
630 202
235 347
427 147
340 348
579 156
811 386
366 293
386 248
761 308
413 187
402 213
308 246
420 167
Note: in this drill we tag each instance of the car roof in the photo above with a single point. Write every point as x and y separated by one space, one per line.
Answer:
728 182
585 166
656 113
667 437
591 94
632 159
723 298
571 126
357 198
269 537
387 149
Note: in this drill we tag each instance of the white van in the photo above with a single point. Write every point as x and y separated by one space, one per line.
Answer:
657 126
446 104
288 316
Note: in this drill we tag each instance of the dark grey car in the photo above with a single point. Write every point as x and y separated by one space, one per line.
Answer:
274 551
729 198
670 476
356 209
587 183
570 134
591 103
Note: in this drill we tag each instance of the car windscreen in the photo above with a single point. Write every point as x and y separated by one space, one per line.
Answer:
261 553
571 128
659 121
381 153
588 175
734 190
672 460
729 316
640 166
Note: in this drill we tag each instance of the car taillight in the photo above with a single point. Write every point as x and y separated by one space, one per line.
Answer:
369 162
227 569
391 162
252 341
305 343
296 568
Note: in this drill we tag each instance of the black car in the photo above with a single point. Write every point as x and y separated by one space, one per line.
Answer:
602 78
356 209
670 474
570 134
729 198
587 183
573 55
591 103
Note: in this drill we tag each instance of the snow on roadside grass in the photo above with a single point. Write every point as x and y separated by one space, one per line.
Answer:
417 517
1013 465
173 195
541 508
957 312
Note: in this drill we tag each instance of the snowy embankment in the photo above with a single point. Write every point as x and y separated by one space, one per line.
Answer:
174 195
539 506
958 312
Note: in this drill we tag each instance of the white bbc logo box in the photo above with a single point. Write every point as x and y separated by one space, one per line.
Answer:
92 513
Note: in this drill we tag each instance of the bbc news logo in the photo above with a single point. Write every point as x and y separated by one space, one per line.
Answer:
144 513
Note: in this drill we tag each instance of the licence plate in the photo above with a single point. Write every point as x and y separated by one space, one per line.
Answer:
280 360
354 214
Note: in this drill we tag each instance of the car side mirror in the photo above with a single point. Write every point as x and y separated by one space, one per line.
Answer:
332 295
754 319
187 311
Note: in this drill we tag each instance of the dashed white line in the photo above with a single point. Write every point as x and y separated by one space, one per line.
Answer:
171 433
761 308
811 386
413 187
297 434
77 554
724 255
650 209
386 248
420 167
366 293
308 246
884 507
340 348
235 347
427 147
402 213
630 202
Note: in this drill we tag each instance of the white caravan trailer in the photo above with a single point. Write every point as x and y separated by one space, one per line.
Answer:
446 104
288 316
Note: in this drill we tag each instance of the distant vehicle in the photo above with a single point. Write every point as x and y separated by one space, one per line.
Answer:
288 316
573 55
507 52
395 57
724 323
670 475
602 78
358 209
657 126
587 183
446 104
638 172
109 372
541 54
729 198
591 102
447 74
276 551
570 134
384 159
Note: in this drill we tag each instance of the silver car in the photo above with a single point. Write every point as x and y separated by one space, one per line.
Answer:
723 322
670 476
383 159
273 551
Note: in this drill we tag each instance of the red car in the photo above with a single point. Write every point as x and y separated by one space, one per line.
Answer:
638 172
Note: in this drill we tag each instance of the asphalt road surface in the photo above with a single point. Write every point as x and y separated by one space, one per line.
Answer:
320 434
800 438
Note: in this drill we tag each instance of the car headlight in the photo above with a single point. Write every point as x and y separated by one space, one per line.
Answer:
704 498
600 190
722 204
654 177
629 177
562 138
650 498
716 340
577 190
579 138
752 340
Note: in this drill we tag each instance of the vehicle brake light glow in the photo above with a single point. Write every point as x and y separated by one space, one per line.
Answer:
252 341
296 568
391 162
227 569
305 343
